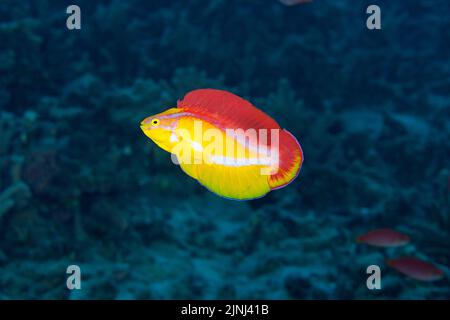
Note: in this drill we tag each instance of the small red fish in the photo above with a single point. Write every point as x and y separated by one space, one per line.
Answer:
417 269
383 238
293 2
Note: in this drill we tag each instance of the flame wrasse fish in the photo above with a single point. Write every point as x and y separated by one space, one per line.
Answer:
416 269
228 145
384 238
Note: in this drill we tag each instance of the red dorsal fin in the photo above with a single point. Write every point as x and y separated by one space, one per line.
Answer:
226 110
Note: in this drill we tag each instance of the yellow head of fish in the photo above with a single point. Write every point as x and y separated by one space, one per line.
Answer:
161 128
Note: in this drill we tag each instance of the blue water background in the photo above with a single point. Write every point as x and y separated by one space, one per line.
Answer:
81 185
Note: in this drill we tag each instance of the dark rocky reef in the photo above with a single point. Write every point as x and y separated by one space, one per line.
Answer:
80 184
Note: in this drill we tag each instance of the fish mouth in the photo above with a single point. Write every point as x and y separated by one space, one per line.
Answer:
145 129
144 126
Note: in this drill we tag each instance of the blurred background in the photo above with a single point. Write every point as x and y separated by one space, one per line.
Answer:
81 184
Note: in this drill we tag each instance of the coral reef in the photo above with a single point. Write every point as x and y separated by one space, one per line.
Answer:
80 184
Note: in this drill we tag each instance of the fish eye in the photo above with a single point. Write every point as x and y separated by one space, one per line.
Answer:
155 122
